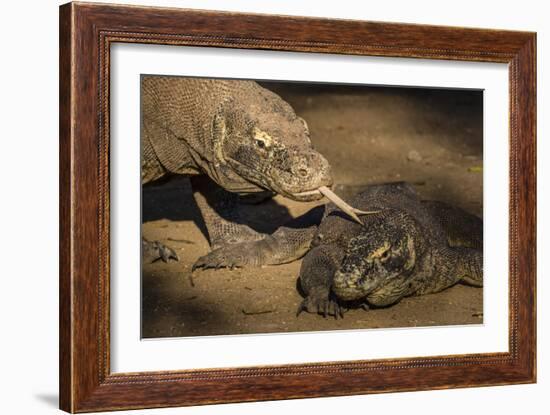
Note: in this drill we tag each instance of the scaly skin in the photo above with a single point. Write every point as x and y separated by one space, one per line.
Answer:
409 248
244 138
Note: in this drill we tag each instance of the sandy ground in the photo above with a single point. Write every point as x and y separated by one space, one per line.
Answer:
430 138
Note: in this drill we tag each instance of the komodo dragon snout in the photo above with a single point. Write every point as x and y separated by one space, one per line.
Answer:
268 145
380 258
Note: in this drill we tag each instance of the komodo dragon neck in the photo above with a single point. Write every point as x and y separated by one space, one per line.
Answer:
177 127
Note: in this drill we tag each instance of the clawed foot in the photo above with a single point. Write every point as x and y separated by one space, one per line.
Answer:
365 306
228 256
154 250
322 302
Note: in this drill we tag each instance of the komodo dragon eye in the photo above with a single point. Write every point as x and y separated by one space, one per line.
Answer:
260 143
385 256
261 138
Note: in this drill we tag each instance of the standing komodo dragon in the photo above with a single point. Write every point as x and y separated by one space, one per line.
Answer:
245 139
411 247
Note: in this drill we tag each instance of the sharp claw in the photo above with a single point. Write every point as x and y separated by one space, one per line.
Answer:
301 308
199 264
216 260
166 253
172 255
320 305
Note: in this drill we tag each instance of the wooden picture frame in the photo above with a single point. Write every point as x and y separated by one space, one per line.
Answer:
86 33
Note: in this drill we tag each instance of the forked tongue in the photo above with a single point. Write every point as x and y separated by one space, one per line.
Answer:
351 211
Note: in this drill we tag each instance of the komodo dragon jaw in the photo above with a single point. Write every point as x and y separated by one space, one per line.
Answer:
373 261
297 174
353 284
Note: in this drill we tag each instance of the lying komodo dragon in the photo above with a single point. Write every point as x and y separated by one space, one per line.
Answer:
244 138
411 247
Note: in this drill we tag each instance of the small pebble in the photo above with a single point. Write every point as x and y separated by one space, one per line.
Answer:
414 156
475 169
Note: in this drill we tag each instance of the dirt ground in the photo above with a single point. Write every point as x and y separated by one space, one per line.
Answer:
431 138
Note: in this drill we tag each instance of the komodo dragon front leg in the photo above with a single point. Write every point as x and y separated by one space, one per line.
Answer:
286 244
316 276
221 214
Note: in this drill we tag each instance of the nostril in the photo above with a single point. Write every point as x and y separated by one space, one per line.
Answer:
302 172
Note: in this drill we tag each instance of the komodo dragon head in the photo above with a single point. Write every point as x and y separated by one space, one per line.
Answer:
259 137
380 258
